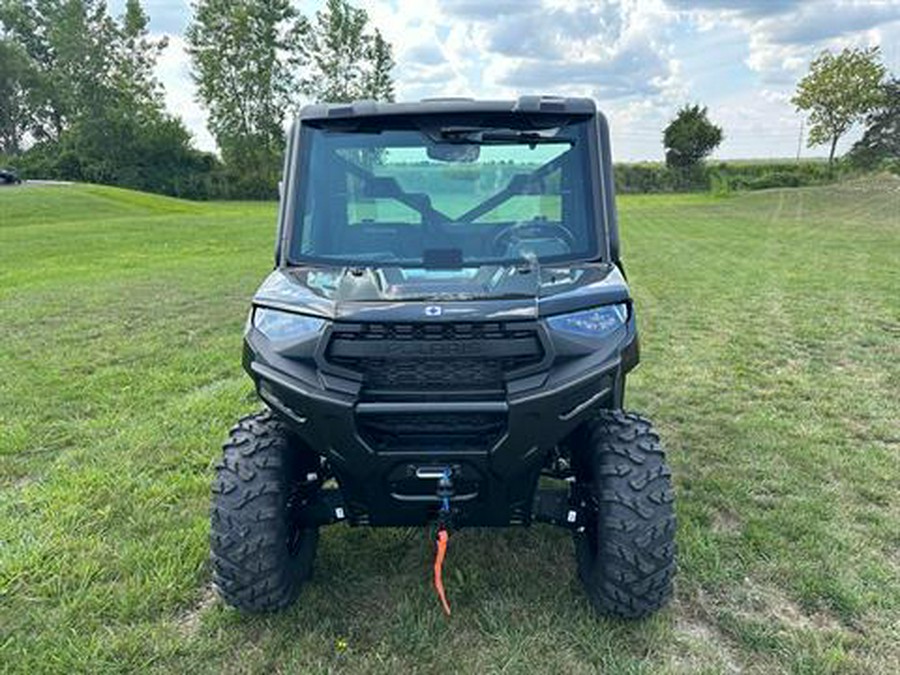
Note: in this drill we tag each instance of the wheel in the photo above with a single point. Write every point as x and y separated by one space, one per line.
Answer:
260 555
626 551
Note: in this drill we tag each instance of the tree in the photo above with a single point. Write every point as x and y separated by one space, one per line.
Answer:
17 79
32 26
245 63
137 56
83 62
839 90
379 83
80 85
881 141
345 61
254 61
690 137
70 44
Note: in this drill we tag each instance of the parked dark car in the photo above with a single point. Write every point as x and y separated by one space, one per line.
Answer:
9 177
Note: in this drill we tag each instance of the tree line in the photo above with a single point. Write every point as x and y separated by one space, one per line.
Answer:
79 99
839 91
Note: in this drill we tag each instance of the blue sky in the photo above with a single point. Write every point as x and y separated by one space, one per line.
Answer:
641 59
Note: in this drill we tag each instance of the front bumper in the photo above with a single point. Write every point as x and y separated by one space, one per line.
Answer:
495 476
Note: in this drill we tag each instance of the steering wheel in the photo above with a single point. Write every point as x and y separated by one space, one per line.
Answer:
532 229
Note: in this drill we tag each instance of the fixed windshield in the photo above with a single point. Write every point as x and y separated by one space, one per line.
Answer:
412 192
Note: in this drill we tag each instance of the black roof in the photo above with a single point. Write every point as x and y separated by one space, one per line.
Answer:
529 104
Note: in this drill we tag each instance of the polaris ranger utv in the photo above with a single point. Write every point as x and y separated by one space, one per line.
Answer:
444 341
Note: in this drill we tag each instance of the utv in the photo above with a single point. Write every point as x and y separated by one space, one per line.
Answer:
444 341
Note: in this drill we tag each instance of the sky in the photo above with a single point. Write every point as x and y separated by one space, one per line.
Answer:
640 59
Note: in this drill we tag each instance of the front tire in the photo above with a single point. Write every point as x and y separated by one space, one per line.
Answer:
260 556
626 551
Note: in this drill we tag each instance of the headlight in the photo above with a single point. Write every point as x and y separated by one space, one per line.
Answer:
595 323
277 325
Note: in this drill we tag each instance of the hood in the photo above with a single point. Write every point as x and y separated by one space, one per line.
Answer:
489 292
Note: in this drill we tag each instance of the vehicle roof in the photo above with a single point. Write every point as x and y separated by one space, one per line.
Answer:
437 106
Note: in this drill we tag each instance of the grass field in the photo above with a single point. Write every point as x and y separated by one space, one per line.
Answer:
771 362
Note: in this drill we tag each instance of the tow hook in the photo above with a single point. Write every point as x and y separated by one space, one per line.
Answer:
444 493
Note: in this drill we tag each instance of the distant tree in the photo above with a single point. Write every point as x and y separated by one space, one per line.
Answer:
17 80
85 96
690 137
881 141
346 59
43 30
379 82
246 65
137 54
84 63
839 90
255 61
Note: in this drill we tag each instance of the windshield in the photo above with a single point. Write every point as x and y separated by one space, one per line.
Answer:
423 194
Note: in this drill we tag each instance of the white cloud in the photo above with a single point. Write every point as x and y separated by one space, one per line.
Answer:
481 10
745 7
784 35
813 23
641 59
632 71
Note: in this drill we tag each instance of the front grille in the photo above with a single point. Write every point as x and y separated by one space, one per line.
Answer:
431 431
434 357
433 374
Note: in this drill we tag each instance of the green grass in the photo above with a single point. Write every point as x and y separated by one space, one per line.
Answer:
770 330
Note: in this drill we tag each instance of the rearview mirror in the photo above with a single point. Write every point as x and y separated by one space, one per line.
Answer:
454 152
